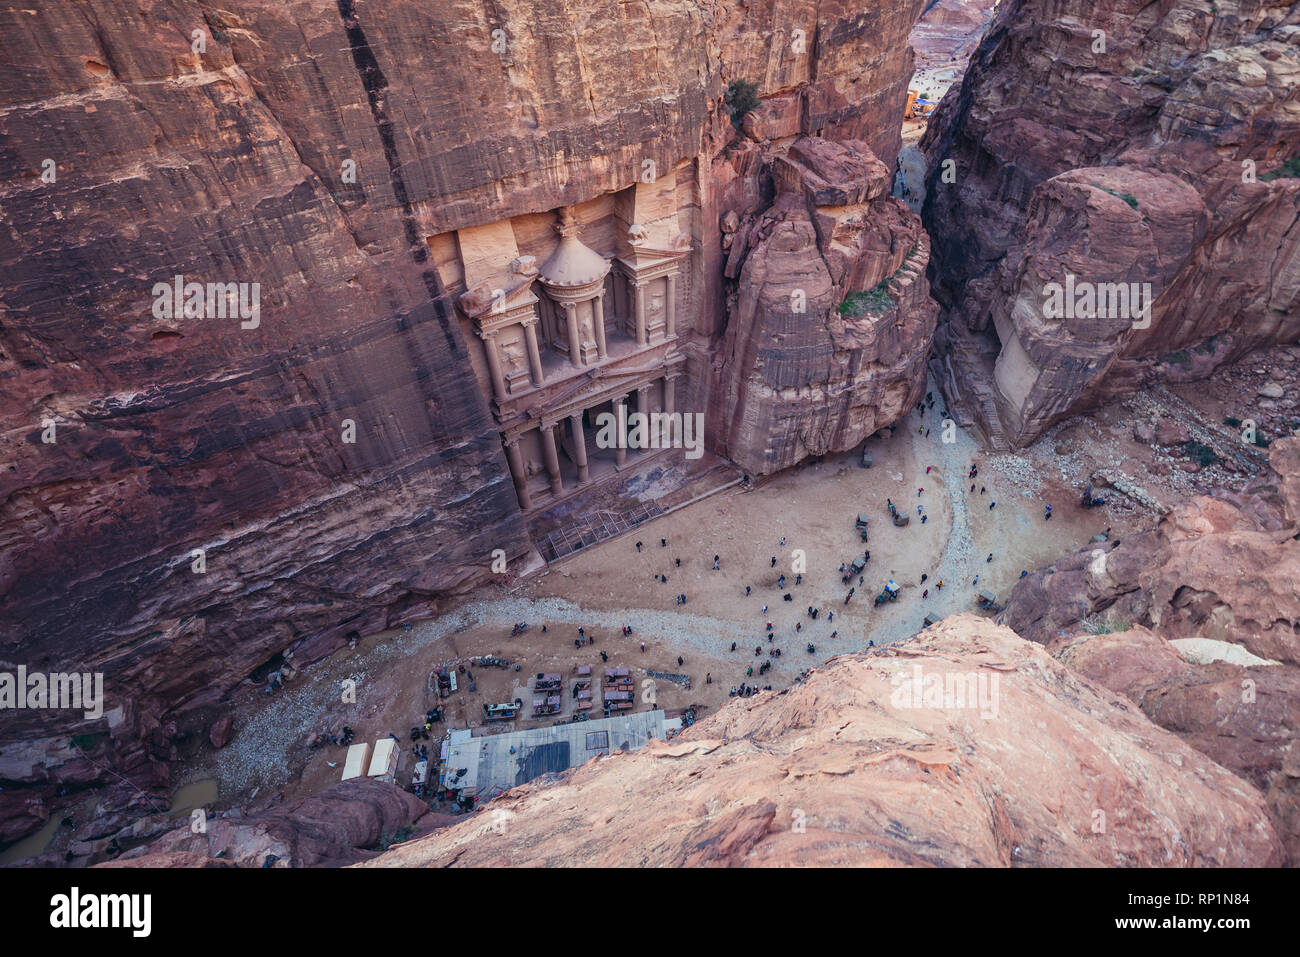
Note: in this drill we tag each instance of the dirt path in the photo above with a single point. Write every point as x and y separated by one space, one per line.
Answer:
803 518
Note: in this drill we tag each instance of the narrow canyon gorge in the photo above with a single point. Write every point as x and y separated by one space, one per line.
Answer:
316 316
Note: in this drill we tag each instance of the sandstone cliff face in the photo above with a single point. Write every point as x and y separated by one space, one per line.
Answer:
830 322
314 147
1212 569
1136 163
338 826
854 766
949 30
1245 718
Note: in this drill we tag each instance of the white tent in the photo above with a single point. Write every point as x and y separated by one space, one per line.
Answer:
357 761
384 763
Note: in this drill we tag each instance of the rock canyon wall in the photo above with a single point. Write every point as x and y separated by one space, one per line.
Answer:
189 496
1219 572
1126 147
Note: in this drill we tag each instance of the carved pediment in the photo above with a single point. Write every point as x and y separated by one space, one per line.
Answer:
486 302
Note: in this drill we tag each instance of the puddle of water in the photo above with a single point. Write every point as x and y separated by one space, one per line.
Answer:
33 844
196 794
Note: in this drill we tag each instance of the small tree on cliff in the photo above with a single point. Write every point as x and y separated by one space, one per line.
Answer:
741 97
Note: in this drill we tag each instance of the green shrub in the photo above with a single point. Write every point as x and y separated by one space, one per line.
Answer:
1288 170
873 302
1127 197
403 834
741 97
1096 625
1202 454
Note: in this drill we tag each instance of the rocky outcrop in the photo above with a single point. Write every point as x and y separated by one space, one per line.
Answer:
948 32
1213 568
190 501
855 765
1131 146
1217 570
830 320
338 826
1245 718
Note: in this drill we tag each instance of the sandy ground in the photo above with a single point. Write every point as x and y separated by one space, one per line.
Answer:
812 507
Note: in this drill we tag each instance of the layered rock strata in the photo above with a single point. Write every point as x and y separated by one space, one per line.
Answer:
964 746
1214 570
1137 150
191 498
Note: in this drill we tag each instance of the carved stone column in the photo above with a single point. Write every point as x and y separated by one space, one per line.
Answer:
517 474
670 393
575 341
552 458
670 330
534 352
640 314
643 406
620 447
494 364
580 448
598 307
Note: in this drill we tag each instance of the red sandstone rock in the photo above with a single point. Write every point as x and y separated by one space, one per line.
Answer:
1212 568
219 733
334 827
806 370
1220 568
839 770
235 164
1246 719
1128 165
168 859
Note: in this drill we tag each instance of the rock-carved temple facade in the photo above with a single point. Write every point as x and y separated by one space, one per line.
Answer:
593 329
